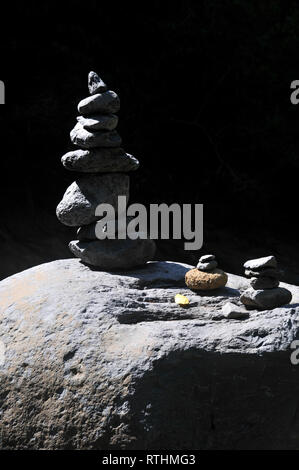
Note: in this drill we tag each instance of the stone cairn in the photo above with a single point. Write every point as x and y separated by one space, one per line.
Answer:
206 275
264 292
103 165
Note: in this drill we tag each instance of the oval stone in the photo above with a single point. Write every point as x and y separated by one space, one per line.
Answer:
100 160
84 195
107 102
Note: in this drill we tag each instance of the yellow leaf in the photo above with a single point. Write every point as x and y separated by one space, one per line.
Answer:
181 300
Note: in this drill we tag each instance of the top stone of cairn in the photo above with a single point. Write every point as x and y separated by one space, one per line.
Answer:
96 84
261 263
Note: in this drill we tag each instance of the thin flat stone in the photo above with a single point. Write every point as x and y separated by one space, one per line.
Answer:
86 139
100 160
82 197
259 263
96 84
99 122
114 254
107 102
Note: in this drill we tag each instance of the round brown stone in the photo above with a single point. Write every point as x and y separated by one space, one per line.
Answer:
200 280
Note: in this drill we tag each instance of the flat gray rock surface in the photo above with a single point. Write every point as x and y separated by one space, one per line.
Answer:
82 197
95 360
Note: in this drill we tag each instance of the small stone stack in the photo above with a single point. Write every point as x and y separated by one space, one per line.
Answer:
103 165
206 275
265 292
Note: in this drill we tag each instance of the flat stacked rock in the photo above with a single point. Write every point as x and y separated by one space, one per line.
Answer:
206 275
103 164
264 292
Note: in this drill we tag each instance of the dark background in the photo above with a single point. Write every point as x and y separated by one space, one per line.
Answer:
205 107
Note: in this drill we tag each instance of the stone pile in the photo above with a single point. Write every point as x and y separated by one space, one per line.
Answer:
206 275
264 292
103 165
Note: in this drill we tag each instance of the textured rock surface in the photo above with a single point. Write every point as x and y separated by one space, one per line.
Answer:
107 102
200 280
114 254
83 196
95 83
101 361
87 139
100 160
231 310
266 299
99 122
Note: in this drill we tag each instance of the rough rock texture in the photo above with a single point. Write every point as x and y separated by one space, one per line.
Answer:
231 310
269 298
114 254
81 198
87 139
99 122
95 83
107 102
100 160
96 360
200 280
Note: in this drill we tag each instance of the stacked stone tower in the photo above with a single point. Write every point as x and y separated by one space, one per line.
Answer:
264 292
101 165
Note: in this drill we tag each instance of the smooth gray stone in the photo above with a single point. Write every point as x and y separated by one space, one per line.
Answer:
94 357
84 195
114 254
206 258
259 263
96 84
233 311
100 160
207 266
263 282
107 102
265 272
266 299
86 139
99 122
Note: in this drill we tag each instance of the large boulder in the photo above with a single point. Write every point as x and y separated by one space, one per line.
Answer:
99 360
